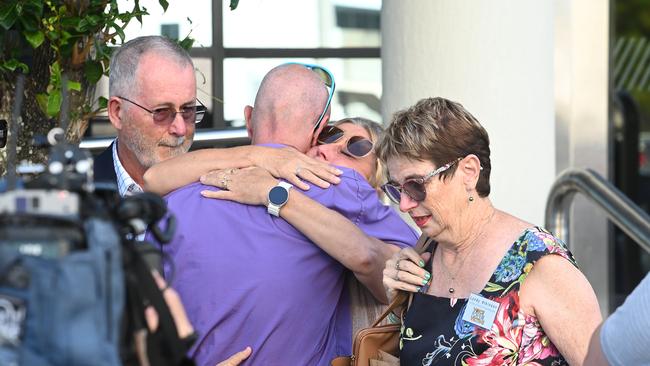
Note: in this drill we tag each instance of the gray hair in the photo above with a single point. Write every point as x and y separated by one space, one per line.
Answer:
125 61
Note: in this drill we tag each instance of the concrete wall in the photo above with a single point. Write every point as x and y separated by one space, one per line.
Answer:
496 58
582 100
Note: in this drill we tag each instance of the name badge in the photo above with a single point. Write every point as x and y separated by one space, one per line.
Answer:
480 311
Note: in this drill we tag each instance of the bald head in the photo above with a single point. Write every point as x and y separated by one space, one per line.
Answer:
288 103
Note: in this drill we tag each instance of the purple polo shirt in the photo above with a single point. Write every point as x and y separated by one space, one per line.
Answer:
248 278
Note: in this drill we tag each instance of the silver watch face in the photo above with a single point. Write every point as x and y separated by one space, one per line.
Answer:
278 195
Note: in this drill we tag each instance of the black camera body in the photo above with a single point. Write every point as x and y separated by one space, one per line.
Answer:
73 280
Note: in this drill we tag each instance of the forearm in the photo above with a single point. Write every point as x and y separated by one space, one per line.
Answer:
341 239
174 173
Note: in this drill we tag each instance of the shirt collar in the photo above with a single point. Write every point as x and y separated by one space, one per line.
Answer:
274 145
126 186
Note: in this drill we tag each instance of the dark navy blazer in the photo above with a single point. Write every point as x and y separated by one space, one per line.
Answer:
104 170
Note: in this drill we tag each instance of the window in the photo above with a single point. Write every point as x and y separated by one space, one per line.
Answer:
234 49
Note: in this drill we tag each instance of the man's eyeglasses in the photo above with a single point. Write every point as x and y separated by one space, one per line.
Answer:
328 79
414 187
165 115
356 146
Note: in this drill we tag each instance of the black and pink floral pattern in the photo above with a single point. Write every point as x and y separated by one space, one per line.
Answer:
434 333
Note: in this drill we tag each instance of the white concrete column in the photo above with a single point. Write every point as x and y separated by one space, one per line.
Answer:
582 96
495 58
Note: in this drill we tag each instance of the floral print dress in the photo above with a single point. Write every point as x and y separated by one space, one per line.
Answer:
434 333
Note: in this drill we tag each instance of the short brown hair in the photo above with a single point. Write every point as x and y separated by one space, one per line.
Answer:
440 131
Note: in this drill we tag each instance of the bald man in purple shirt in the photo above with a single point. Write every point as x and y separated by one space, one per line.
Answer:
247 277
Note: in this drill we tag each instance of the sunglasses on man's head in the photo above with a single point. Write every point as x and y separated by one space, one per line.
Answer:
415 188
356 146
165 115
328 80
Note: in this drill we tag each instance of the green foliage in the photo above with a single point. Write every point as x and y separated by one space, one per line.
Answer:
103 102
93 71
13 64
186 43
632 18
78 34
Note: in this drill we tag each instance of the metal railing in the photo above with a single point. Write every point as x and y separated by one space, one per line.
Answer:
202 138
620 209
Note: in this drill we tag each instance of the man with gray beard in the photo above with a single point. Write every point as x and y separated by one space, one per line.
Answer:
152 104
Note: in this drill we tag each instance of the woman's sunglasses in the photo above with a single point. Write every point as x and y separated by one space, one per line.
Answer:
415 188
356 146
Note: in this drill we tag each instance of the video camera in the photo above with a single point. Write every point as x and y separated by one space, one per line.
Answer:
74 283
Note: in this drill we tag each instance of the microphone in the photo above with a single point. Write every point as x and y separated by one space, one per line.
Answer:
145 210
147 206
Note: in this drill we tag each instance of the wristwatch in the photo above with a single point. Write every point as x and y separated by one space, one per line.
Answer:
278 197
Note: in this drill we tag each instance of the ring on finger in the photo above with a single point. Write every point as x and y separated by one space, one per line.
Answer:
298 169
397 265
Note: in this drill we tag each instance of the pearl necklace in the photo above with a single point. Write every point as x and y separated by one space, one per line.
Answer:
452 276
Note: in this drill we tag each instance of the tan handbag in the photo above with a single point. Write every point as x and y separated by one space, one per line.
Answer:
378 345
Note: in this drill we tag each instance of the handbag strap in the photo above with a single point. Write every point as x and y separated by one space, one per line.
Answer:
402 296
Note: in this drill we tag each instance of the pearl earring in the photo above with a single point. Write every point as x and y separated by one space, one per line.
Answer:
471 198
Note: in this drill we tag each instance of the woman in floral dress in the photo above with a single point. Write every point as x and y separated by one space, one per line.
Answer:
494 289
